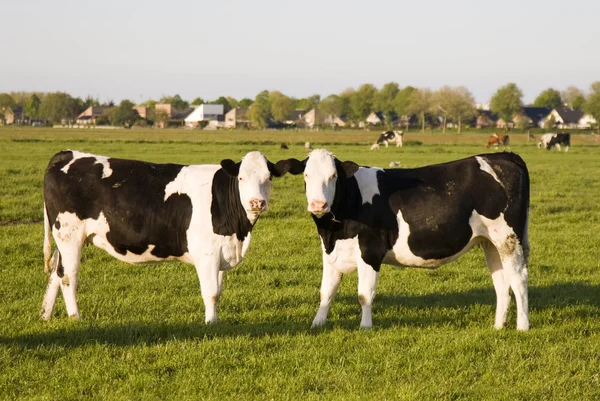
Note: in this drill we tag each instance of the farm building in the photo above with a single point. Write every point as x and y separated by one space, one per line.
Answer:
566 118
213 113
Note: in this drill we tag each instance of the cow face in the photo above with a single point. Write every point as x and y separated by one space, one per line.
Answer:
253 176
321 174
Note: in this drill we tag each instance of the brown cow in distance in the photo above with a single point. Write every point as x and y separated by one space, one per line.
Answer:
497 140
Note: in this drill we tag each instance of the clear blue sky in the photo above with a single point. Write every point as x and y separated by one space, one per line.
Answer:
118 49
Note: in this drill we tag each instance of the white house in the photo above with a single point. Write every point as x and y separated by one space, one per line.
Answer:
566 118
213 113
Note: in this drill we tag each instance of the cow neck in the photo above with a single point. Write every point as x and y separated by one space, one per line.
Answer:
227 212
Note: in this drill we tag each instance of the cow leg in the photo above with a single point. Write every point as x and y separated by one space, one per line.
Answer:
501 284
53 287
221 275
329 286
71 261
367 284
210 278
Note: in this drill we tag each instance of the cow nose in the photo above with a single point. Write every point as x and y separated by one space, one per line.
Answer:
257 204
317 206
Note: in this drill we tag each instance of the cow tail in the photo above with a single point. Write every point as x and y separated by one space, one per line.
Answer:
47 241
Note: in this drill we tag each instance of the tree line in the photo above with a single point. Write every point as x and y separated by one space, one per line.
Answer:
450 104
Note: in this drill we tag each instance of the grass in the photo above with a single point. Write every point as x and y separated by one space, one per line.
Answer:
141 334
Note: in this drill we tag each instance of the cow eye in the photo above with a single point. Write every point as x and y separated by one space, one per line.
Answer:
240 178
305 175
333 177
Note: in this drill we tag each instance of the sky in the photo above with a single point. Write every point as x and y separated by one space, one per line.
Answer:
140 50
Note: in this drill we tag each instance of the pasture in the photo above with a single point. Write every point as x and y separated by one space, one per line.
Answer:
142 334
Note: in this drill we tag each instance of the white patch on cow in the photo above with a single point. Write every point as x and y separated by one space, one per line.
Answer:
488 169
320 176
106 172
367 183
191 179
344 256
254 181
545 140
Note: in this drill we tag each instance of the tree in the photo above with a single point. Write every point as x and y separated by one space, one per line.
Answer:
442 101
402 102
506 102
419 104
573 97
245 102
308 103
198 101
222 100
176 101
462 106
592 103
233 103
281 105
362 102
6 101
90 101
334 105
32 106
260 111
384 100
550 98
124 115
56 107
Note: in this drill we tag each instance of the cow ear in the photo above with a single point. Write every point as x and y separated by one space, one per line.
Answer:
292 166
350 168
230 167
277 170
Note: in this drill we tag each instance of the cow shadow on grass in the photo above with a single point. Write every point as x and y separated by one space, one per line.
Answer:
429 310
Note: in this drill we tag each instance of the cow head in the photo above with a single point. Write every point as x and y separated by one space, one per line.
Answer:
321 174
253 176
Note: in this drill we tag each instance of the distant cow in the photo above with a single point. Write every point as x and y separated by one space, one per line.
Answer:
423 217
307 145
389 136
545 140
560 139
146 212
497 140
284 146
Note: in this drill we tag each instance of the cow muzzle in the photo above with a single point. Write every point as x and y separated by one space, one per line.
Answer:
258 205
318 208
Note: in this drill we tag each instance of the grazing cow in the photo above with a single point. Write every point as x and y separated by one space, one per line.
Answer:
389 136
307 145
284 146
146 212
545 140
496 140
422 217
560 139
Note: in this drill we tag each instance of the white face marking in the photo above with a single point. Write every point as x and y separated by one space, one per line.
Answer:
106 172
254 181
488 169
320 176
367 183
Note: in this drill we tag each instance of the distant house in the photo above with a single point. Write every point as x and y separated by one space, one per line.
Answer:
142 111
91 114
14 115
316 117
213 113
375 118
534 115
294 117
236 117
566 118
172 116
485 118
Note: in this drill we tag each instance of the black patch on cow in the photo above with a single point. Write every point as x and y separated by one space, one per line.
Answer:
131 199
436 202
559 139
228 214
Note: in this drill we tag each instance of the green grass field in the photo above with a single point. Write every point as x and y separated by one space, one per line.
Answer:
142 336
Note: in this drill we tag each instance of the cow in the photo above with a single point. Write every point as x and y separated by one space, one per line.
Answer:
545 140
307 145
496 140
283 146
421 217
559 139
389 136
145 212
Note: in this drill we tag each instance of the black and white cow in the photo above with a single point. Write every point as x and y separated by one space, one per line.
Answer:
422 217
146 212
389 136
559 139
